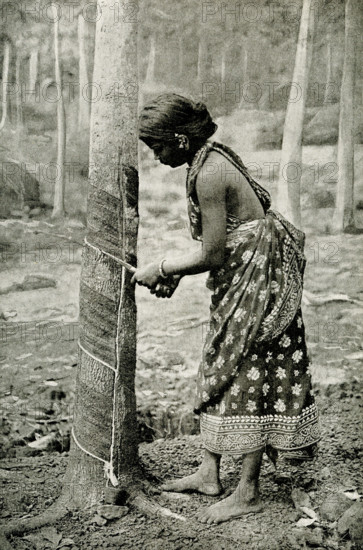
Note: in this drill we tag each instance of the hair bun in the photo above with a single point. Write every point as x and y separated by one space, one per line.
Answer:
200 108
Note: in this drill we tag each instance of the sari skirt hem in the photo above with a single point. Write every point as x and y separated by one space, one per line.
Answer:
239 435
269 402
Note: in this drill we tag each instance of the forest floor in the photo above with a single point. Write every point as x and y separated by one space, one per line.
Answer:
39 281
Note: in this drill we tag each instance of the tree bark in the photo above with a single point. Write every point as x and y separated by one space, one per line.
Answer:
33 68
105 435
245 63
202 59
181 52
59 187
84 104
288 193
343 219
18 86
329 73
223 65
5 78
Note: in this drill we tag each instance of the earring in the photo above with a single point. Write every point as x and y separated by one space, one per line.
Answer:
183 141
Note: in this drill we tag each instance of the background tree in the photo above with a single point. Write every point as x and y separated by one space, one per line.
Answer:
83 71
288 195
5 80
329 69
18 88
60 179
150 72
104 444
33 68
344 206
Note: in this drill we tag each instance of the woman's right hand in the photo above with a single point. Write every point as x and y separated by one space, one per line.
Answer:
166 289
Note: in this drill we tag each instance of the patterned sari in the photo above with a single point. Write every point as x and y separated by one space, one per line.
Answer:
253 387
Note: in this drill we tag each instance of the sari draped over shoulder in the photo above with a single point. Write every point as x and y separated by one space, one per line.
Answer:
253 386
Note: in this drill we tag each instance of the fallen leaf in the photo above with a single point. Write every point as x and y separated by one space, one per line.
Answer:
309 512
24 356
43 442
355 355
66 542
352 495
111 511
305 522
300 498
98 520
51 534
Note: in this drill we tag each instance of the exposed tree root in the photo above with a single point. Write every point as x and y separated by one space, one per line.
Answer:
4 543
138 499
311 299
151 508
20 526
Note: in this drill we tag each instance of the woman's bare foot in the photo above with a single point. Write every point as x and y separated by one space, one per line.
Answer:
229 508
196 482
244 500
205 480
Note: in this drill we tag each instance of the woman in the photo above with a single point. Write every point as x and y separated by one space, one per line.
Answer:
253 387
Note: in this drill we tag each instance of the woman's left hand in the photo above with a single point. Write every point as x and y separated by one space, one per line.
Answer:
148 276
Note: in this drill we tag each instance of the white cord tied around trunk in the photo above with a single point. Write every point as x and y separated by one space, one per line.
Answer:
108 465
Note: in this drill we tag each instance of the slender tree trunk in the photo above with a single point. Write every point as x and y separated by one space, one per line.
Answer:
202 59
18 84
59 188
5 78
245 64
288 193
104 424
343 219
329 74
33 68
180 53
223 65
150 72
84 104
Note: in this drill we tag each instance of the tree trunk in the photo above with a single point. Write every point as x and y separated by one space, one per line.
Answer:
105 435
18 86
150 71
181 53
58 205
245 63
223 65
5 78
84 104
329 74
202 59
343 219
33 68
288 193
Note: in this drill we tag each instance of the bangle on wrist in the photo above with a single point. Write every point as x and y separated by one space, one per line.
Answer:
161 269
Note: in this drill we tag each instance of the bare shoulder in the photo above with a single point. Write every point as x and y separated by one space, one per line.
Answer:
212 175
210 184
217 168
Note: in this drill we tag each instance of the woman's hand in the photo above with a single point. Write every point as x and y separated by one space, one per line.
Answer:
166 288
148 276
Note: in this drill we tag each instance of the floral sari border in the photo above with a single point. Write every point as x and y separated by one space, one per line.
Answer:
236 435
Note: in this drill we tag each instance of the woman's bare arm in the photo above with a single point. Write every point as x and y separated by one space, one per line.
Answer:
211 191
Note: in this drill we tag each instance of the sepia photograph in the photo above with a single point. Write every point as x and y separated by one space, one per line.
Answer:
181 223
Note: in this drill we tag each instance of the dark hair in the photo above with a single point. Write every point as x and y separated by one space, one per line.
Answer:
170 114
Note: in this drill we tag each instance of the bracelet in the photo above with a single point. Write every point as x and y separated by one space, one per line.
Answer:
161 270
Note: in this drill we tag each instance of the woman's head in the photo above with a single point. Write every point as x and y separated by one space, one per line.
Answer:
174 122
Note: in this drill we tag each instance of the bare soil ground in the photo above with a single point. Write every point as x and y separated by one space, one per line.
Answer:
38 360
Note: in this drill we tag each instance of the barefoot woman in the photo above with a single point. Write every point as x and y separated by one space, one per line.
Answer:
253 387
